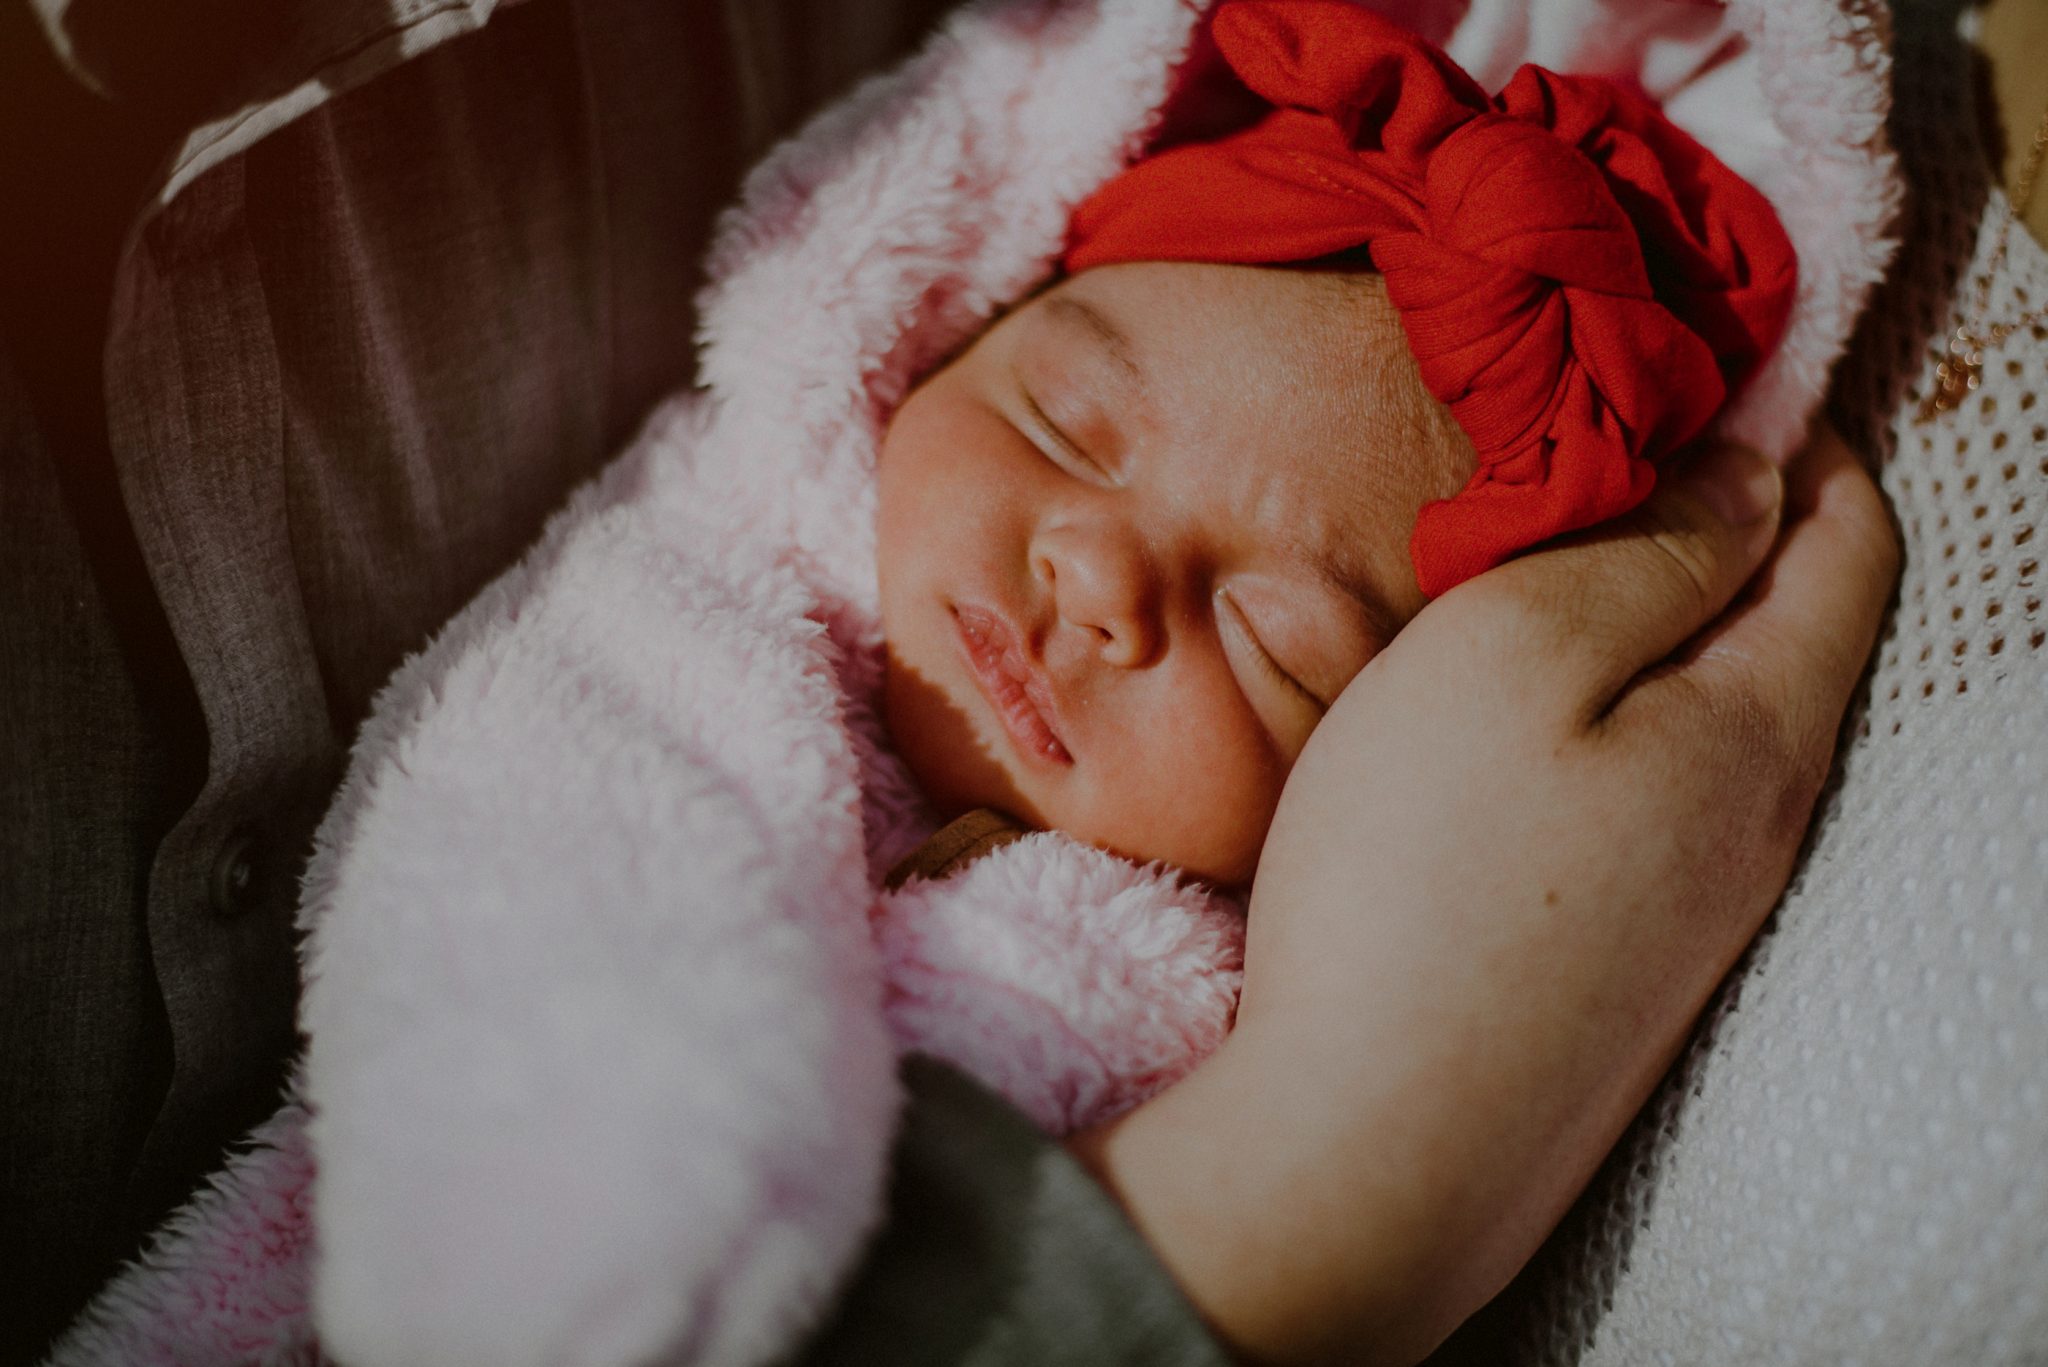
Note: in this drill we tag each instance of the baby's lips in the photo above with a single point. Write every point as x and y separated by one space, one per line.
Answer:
1013 683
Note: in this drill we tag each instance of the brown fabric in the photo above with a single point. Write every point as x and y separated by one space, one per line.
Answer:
256 443
87 784
956 845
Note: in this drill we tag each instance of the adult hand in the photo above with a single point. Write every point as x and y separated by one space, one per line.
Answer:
1504 878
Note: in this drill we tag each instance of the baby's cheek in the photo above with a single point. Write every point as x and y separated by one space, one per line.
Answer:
1199 798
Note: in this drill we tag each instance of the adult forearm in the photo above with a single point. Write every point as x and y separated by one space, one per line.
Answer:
1231 1188
1365 1220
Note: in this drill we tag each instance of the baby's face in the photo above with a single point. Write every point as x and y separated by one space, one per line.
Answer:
1136 539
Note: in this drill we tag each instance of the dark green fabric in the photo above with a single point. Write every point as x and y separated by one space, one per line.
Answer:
1000 1251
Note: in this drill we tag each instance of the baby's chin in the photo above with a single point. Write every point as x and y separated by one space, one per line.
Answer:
959 771
1226 862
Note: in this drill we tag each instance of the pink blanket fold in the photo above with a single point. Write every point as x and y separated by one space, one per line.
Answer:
603 999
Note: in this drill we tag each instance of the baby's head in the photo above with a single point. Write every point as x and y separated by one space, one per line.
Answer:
1138 536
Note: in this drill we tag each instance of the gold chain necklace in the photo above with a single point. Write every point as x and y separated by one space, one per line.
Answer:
1962 368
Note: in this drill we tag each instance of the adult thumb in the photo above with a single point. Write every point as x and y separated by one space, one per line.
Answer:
1608 603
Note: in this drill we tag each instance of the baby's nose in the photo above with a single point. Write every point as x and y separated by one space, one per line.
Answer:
1104 582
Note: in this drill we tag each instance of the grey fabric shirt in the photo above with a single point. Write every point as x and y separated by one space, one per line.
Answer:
309 314
999 1251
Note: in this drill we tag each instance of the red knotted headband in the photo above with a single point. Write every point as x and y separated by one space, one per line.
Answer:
1581 282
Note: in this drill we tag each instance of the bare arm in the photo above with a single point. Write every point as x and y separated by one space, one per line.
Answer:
1505 877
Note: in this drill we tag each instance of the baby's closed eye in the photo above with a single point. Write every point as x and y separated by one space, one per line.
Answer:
1282 701
1058 445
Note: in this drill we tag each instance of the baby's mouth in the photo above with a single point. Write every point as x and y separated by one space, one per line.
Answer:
1017 691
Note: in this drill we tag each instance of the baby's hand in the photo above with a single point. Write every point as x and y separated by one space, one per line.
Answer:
1506 874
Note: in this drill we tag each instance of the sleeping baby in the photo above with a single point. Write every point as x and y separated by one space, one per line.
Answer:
597 936
1139 536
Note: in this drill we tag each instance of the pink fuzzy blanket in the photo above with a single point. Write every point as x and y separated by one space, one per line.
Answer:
603 996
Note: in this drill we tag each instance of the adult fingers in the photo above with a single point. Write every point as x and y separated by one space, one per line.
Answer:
1585 616
1798 641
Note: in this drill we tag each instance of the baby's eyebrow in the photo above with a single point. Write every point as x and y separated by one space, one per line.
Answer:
1357 585
1113 338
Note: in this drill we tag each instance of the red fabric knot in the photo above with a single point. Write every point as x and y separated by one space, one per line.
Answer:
1581 283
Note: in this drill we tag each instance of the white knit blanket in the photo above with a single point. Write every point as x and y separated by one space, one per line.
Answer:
602 996
1851 1163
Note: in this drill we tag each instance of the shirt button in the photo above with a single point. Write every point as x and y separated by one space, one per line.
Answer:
232 889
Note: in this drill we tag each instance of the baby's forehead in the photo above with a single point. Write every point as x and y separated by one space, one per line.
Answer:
1289 397
1286 346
